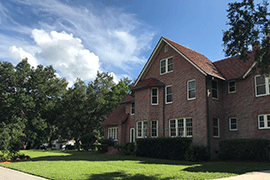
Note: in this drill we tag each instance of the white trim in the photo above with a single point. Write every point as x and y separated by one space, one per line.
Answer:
167 94
166 65
229 87
218 136
267 90
113 134
152 96
191 89
184 127
230 125
249 70
265 121
152 128
130 137
142 133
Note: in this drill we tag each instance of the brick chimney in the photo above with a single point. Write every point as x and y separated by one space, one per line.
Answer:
256 45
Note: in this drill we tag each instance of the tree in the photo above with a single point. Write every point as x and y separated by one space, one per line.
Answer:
249 24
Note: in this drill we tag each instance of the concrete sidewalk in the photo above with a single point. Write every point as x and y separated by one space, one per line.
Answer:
9 174
264 175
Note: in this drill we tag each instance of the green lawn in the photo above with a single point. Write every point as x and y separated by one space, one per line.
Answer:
87 165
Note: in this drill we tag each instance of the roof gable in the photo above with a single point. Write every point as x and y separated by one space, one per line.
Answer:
198 60
150 82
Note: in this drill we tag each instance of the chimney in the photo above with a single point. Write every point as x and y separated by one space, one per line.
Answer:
256 45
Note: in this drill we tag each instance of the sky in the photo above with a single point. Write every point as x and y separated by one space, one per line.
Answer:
80 37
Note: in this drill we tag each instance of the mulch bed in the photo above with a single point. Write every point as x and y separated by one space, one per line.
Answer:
10 161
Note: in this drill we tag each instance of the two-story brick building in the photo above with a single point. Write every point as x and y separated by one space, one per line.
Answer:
180 92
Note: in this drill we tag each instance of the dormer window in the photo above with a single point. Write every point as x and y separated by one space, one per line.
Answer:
166 65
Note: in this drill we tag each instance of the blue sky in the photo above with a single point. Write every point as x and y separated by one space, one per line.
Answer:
80 37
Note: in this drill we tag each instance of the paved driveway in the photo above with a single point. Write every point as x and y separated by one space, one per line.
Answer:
9 174
265 175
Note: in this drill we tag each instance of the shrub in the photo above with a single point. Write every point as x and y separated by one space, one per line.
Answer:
244 149
197 153
104 144
127 149
87 141
163 147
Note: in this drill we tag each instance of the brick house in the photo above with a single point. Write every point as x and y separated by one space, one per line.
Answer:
180 92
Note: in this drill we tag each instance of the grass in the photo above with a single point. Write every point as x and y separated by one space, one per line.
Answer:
86 165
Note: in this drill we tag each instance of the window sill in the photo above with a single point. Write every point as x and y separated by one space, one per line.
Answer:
261 95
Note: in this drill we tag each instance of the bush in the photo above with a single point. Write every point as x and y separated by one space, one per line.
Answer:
197 153
163 147
244 149
104 144
88 141
127 149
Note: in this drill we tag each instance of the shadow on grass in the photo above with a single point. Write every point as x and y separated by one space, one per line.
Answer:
123 176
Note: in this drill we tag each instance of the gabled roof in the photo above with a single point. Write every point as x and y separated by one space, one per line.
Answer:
118 116
128 99
234 67
150 82
198 60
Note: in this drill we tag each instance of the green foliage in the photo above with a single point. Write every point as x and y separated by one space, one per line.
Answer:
248 23
128 149
197 153
88 141
244 149
104 144
163 147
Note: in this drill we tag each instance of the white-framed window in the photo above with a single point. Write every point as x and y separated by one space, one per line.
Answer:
154 96
191 89
154 128
216 127
181 127
168 92
166 65
214 89
132 135
233 124
262 85
113 133
231 87
141 129
132 110
264 121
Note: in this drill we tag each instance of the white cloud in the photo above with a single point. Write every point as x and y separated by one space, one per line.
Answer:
66 54
19 54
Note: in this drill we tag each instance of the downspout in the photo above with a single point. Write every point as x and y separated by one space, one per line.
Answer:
208 116
163 108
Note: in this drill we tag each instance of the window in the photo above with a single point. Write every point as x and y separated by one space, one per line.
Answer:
166 65
191 89
168 94
264 121
132 135
233 124
132 108
166 48
181 127
262 85
214 89
154 96
141 129
113 133
231 86
215 127
154 129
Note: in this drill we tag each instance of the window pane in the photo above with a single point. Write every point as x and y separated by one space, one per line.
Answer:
261 90
214 93
170 64
233 124
163 66
214 84
215 127
261 121
173 127
192 94
260 80
154 92
268 121
232 86
133 108
191 85
139 129
181 127
154 128
169 90
189 126
169 94
154 96
144 129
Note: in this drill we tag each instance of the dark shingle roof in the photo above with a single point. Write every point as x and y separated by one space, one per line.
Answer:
118 116
150 82
233 68
128 99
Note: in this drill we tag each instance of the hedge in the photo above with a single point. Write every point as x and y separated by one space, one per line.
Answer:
197 153
163 147
244 149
